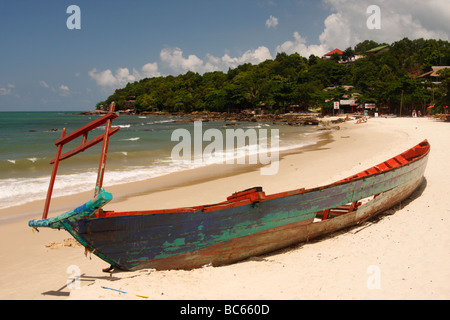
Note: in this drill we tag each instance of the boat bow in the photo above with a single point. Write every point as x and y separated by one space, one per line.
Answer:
85 211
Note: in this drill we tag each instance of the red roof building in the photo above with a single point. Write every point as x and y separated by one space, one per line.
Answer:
329 54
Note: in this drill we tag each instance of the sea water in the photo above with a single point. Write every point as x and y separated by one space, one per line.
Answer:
139 151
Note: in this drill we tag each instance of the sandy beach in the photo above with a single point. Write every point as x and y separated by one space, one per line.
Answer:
407 248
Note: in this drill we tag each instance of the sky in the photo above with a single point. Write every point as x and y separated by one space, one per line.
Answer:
55 58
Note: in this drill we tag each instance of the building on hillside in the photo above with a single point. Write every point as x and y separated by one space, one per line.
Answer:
351 60
378 49
433 75
348 61
328 55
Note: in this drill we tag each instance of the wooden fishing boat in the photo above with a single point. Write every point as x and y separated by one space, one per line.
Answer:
248 223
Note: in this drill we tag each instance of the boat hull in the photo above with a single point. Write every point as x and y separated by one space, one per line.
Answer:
233 231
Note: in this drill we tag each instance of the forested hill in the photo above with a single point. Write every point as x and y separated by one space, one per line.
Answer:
378 77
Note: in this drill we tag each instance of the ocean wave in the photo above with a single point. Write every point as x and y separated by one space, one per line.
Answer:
161 121
122 126
19 191
165 121
23 164
131 139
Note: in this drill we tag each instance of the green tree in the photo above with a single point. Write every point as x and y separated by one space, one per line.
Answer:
348 54
329 73
444 87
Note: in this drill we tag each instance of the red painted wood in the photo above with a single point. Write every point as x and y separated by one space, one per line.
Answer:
101 168
85 145
89 127
325 214
52 179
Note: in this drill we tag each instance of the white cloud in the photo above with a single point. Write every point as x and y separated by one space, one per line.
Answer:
225 62
149 70
272 22
64 90
123 76
103 78
250 56
414 19
299 45
173 59
177 63
337 32
44 84
4 91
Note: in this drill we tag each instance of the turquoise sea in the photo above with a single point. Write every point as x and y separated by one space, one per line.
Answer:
139 151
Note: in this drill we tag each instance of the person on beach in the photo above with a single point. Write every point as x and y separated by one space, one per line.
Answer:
414 114
361 120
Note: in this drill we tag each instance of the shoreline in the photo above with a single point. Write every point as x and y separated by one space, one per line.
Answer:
402 245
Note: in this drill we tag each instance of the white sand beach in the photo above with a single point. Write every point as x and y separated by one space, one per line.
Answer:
403 254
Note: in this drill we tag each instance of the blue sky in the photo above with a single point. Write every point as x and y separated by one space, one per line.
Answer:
46 66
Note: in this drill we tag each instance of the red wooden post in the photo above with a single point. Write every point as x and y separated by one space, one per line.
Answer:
353 206
325 214
101 168
52 180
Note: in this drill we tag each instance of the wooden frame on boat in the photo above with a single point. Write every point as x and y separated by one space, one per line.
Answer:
84 131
